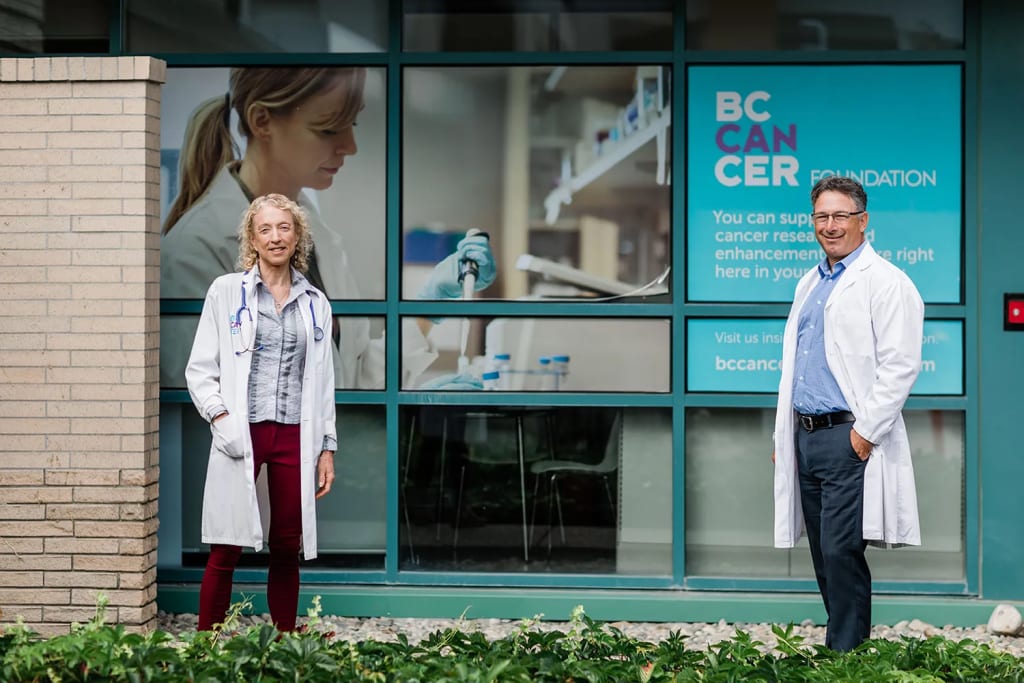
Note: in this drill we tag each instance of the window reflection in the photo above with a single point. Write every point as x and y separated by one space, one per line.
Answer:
548 354
547 25
837 25
728 455
217 26
37 26
566 169
535 489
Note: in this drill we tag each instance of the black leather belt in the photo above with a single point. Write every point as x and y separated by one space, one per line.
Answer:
812 422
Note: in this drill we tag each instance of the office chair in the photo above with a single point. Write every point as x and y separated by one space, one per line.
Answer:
552 469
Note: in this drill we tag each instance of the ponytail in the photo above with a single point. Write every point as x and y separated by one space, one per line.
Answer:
206 149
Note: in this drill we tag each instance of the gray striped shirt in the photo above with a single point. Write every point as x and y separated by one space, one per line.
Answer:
275 380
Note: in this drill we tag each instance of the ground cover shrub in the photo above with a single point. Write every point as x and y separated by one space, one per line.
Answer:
587 651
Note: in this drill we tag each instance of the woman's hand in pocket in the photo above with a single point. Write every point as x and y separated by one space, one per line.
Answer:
228 435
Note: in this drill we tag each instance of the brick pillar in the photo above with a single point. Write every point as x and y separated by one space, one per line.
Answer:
79 338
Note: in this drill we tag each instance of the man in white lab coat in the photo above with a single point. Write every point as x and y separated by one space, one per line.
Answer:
851 353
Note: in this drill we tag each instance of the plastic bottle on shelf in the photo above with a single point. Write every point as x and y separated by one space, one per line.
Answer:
502 363
546 375
560 368
490 379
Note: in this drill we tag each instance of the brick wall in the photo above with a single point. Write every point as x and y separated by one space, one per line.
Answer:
79 338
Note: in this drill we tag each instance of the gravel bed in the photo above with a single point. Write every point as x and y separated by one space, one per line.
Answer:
699 635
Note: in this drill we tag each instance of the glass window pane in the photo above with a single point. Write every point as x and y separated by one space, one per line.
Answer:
556 354
728 458
216 26
351 519
204 193
544 25
837 25
362 368
359 355
565 168
530 489
176 335
38 26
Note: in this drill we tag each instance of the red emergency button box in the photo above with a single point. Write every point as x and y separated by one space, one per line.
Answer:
1013 312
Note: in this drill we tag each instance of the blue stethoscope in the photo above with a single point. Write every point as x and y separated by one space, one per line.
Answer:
237 325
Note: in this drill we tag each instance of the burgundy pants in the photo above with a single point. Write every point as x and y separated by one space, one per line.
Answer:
277 446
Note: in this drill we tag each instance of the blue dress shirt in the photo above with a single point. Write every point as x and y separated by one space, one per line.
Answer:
815 391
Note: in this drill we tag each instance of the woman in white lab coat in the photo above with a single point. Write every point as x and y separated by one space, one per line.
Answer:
873 332
299 129
261 373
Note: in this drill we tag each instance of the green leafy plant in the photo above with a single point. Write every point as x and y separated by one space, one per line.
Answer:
588 651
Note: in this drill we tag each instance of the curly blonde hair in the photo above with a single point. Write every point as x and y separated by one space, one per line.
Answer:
247 255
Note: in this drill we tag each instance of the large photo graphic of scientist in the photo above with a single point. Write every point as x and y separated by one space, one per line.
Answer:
231 135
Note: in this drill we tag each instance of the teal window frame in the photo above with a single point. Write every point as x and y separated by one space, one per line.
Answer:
392 308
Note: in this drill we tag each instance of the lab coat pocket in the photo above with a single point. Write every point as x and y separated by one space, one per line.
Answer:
228 437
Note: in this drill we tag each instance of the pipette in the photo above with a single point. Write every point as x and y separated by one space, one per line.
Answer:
468 272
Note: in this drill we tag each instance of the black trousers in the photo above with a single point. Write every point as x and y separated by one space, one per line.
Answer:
832 495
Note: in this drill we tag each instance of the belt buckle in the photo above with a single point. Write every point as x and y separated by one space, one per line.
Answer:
807 422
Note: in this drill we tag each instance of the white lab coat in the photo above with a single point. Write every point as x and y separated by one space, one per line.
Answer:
216 376
873 334
203 244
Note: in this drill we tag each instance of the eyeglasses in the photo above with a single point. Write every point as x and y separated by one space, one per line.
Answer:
839 217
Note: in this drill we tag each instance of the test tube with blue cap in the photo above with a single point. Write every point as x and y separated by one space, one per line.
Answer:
502 364
560 366
547 375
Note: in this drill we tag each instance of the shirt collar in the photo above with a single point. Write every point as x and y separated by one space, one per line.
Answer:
298 279
824 271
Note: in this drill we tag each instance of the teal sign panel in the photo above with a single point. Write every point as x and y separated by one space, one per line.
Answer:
742 355
760 137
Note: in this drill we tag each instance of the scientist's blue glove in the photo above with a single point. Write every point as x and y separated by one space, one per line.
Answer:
455 382
443 282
